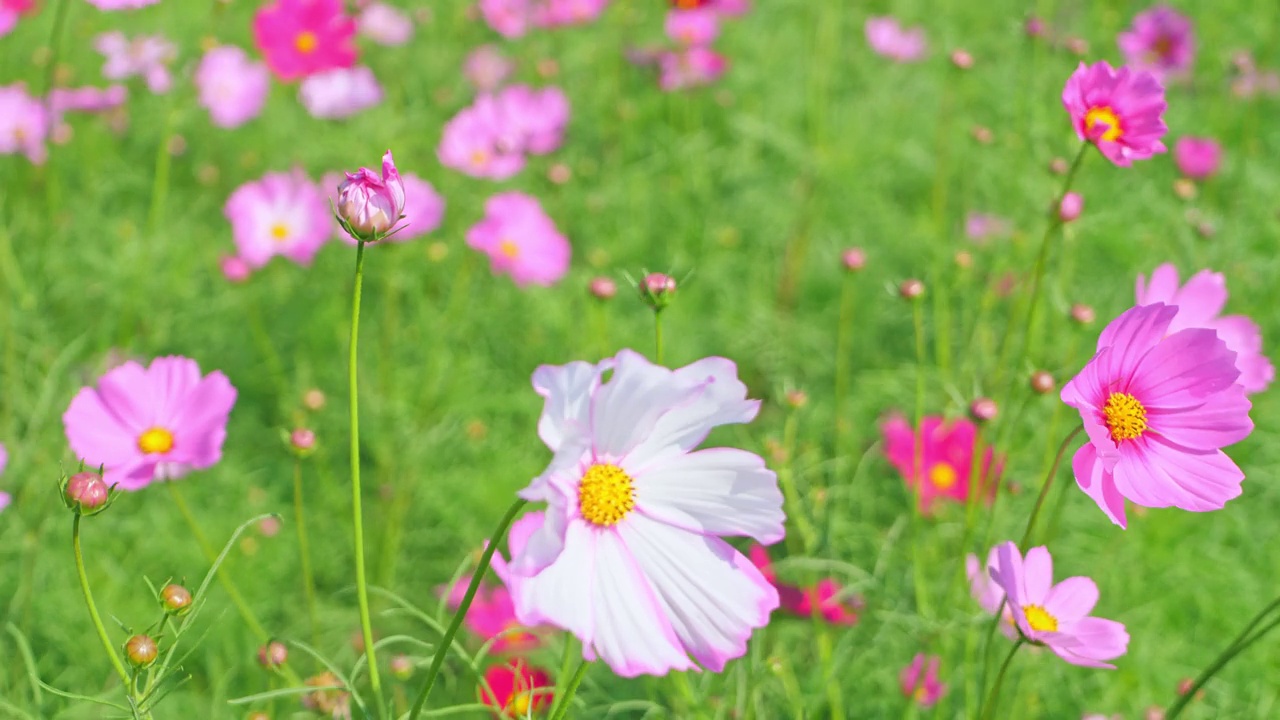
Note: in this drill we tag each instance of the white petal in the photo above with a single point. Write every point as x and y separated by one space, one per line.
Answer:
720 399
561 593
625 409
719 491
567 389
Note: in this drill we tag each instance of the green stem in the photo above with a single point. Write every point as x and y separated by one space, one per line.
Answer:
835 697
160 183
657 337
304 550
988 708
561 709
1044 488
1237 646
793 503
93 608
917 464
843 325
447 641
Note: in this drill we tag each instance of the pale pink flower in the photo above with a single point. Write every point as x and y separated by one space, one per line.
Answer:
536 117
385 24
486 68
280 214
470 144
690 68
699 26
925 690
340 92
234 268
987 592
232 87
521 240
147 56
303 37
552 13
889 39
121 4
508 18
24 124
86 99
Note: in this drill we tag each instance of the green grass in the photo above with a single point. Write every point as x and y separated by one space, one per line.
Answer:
811 144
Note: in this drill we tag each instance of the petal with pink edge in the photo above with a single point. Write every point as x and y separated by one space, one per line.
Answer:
1157 473
567 389
625 409
1130 337
719 398
718 491
561 594
1223 420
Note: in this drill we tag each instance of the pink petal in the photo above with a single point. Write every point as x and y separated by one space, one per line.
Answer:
1098 484
1156 473
1037 575
1130 337
1072 598
1221 421
1184 370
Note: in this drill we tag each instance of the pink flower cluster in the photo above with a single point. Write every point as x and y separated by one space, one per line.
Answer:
888 38
491 137
938 461
521 240
692 62
826 599
514 18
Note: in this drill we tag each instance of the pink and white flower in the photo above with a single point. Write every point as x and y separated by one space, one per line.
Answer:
280 214
340 92
232 87
521 240
24 124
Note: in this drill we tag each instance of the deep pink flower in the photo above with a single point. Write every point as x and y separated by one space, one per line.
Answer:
146 55
987 592
521 240
690 68
232 87
154 423
889 39
486 68
11 11
340 92
471 144
1120 111
518 690
926 691
699 26
945 462
385 24
1197 158
833 605
1157 407
24 124
371 204
1057 615
508 18
121 4
1200 302
1161 42
280 214
303 37
492 613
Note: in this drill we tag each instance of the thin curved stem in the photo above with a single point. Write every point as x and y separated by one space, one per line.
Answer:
1237 646
93 608
561 709
988 708
304 549
1044 488
657 337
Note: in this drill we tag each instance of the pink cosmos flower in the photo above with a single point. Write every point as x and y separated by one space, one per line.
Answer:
1120 111
987 592
699 26
423 209
370 204
121 4
1197 158
518 690
981 227
24 124
385 24
154 423
926 691
1161 42
1157 407
279 214
946 460
303 37
1200 303
889 39
827 596
521 240
486 68
1057 615
553 13
508 18
690 68
628 555
11 11
470 144
232 87
146 55
340 92
537 118
86 99
493 613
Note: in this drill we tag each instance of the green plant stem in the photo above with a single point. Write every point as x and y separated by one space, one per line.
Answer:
917 463
1044 488
844 323
160 182
447 641
792 501
304 551
357 513
657 337
835 696
561 709
93 608
1237 646
988 708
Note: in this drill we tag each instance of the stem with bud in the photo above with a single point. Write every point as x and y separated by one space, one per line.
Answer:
93 608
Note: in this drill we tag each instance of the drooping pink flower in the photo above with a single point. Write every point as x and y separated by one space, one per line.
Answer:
340 92
628 554
232 87
1158 406
1200 302
493 613
385 24
508 18
699 26
690 68
521 240
370 204
945 461
1161 42
279 214
826 597
486 68
889 39
154 423
471 144
518 690
1197 158
24 124
925 690
1119 111
147 56
121 4
11 11
1057 616
989 594
303 37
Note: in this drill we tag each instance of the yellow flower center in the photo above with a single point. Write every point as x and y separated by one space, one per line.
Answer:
520 703
306 42
479 158
280 232
1039 619
1106 116
942 476
1126 418
156 441
919 693
509 249
605 495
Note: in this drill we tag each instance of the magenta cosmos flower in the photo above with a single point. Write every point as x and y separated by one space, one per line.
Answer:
1057 616
1197 158
487 68
945 461
1158 406
1200 302
24 124
826 599
153 423
11 11
921 684
340 92
370 204
232 87
628 555
698 26
1161 42
280 214
515 690
889 39
690 68
303 37
1119 111
121 4
521 240
147 56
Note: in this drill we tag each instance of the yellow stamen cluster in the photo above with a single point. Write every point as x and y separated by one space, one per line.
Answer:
1039 619
1106 116
155 441
605 495
943 475
1126 417
306 42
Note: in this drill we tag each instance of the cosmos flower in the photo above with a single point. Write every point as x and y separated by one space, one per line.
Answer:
121 4
303 37
340 92
518 691
889 39
628 554
470 144
827 596
946 460
1197 158
147 56
509 18
521 240
24 124
487 68
690 68
925 690
279 214
1119 111
385 24
988 594
562 13
11 11
154 423
537 118
693 27
1161 42
1158 406
370 204
232 87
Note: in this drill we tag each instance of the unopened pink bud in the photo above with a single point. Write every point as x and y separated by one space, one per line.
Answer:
961 59
797 398
234 268
603 288
911 289
559 174
1082 314
313 399
141 650
1059 166
303 439
1070 207
369 205
983 410
175 599
854 259
273 654
1042 382
1035 27
656 283
402 666
86 491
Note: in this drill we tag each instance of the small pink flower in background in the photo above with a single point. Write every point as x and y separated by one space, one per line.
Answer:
469 144
370 204
1197 158
86 99
832 604
1251 81
699 26
1161 42
554 13
154 423
508 18
1070 207
385 24
1200 302
1158 406
24 124
987 592
121 4
1119 111
492 613
690 68
11 11
340 93
946 459
146 55
5 500
924 689
981 227
423 209
518 691
889 39
234 268
486 68
4 458
730 8
1057 615
521 240
538 117
232 87
279 214
303 37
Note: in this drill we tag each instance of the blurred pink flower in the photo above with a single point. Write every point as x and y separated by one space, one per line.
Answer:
370 204
945 460
690 68
486 68
121 4
832 603
340 92
492 613
423 209
926 691
1120 111
232 87
552 13
234 268
24 124
521 240
1161 42
86 99
508 18
469 144
1070 207
889 39
279 214
514 690
537 117
1197 158
385 24
146 55
990 596
981 227
11 11
699 26
303 37
154 423
730 8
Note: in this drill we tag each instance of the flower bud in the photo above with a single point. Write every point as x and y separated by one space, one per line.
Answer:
1082 314
302 441
234 268
603 288
1042 382
657 290
797 399
258 715
964 259
402 666
1184 188
369 206
559 174
1059 166
141 650
273 655
961 59
269 526
911 289
313 399
86 492
1034 27
983 134
854 259
175 599
983 410
1070 207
